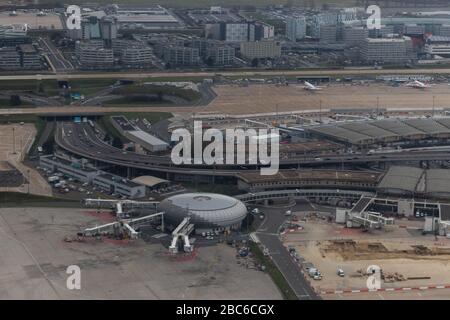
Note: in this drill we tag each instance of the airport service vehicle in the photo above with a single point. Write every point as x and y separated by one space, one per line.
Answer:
288 213
53 179
255 211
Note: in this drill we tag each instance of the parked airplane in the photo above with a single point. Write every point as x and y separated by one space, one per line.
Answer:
309 86
418 85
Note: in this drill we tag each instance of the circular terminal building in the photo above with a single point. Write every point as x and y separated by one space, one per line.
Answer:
207 211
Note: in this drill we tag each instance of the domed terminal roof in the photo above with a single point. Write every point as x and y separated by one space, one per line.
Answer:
205 209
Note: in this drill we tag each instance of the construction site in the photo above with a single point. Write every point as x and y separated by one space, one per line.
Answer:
409 261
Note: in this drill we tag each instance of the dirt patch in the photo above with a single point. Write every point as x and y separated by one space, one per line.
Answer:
366 250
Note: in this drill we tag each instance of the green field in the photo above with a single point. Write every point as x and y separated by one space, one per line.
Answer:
90 86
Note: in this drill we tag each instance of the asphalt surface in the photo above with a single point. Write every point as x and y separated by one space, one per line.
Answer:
246 74
268 234
57 60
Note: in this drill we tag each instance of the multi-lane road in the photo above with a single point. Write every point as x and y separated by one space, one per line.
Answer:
269 235
236 73
57 61
80 139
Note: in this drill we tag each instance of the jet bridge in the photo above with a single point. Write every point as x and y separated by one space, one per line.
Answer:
120 206
181 235
124 226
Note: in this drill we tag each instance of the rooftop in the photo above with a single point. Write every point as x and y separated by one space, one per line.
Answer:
289 175
401 178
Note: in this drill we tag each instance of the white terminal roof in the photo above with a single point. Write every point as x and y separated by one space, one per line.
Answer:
401 178
148 138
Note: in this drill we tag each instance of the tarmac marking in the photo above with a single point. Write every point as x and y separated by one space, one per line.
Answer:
364 290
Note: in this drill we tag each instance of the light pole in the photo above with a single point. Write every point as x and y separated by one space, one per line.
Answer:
29 180
432 113
14 140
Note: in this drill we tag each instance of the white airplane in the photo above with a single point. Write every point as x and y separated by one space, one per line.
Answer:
309 86
418 85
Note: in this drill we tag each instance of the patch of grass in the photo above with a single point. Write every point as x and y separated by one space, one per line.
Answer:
272 270
45 87
90 86
186 94
17 199
137 100
6 104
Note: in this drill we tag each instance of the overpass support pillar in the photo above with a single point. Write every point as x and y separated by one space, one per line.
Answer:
266 202
129 172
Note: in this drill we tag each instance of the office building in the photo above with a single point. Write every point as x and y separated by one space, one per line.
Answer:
180 56
239 31
295 28
132 53
444 30
438 46
387 50
220 54
260 49
354 36
93 55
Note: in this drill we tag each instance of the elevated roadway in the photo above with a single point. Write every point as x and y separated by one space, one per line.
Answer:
81 140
